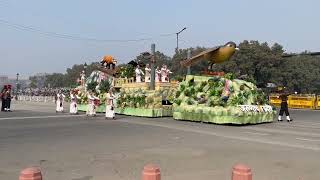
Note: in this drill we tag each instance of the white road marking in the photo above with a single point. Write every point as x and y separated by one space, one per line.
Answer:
189 129
283 130
255 133
299 126
312 140
38 117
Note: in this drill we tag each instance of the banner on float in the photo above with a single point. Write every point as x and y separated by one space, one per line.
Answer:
256 108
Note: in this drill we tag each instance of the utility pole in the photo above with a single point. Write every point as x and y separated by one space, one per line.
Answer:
153 60
17 86
178 37
188 57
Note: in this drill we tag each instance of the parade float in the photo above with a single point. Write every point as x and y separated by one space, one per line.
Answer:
133 96
221 100
137 99
98 83
214 97
218 98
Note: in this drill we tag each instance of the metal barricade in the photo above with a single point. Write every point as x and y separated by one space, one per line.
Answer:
275 100
302 101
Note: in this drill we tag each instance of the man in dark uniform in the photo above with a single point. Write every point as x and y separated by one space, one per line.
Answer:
9 97
284 105
3 99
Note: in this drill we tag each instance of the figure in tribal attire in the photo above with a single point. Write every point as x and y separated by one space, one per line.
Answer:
147 77
110 105
74 102
59 101
91 111
165 73
139 73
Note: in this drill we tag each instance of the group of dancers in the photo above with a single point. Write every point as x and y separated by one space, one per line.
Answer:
161 75
93 103
6 97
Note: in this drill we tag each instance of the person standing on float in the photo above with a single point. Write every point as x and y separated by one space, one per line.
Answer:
165 73
158 74
147 73
139 73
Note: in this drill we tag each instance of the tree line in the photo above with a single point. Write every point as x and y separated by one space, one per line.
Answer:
257 62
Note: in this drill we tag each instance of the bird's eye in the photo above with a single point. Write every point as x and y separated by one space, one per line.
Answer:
230 45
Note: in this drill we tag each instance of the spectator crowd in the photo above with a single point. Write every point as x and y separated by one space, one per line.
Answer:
43 91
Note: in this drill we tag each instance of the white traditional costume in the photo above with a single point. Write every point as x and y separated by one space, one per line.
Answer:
91 111
59 102
73 104
110 106
148 74
138 74
158 75
165 74
82 78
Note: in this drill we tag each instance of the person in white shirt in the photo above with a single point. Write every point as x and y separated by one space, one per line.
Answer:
138 74
165 73
59 101
147 73
110 105
74 105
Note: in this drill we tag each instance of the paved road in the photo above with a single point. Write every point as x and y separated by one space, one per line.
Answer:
84 148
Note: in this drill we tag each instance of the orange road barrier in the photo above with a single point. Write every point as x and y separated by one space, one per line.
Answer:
241 172
32 173
151 172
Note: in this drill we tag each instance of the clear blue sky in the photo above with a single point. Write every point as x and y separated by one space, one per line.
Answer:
292 23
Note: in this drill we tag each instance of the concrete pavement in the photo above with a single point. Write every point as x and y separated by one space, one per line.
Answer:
87 148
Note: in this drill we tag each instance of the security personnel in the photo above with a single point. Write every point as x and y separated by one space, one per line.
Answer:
284 105
3 99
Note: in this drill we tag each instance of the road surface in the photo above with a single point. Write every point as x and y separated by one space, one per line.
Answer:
91 148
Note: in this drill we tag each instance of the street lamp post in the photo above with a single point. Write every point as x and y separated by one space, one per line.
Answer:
17 85
83 79
153 72
85 68
151 57
178 37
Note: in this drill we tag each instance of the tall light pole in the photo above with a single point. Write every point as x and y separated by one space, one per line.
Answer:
17 85
151 57
83 78
178 37
85 68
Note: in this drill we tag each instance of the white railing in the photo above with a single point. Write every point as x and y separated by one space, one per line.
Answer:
36 98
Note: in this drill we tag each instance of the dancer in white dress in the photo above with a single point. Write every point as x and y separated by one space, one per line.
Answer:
91 110
59 101
147 77
74 105
110 105
165 73
138 74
